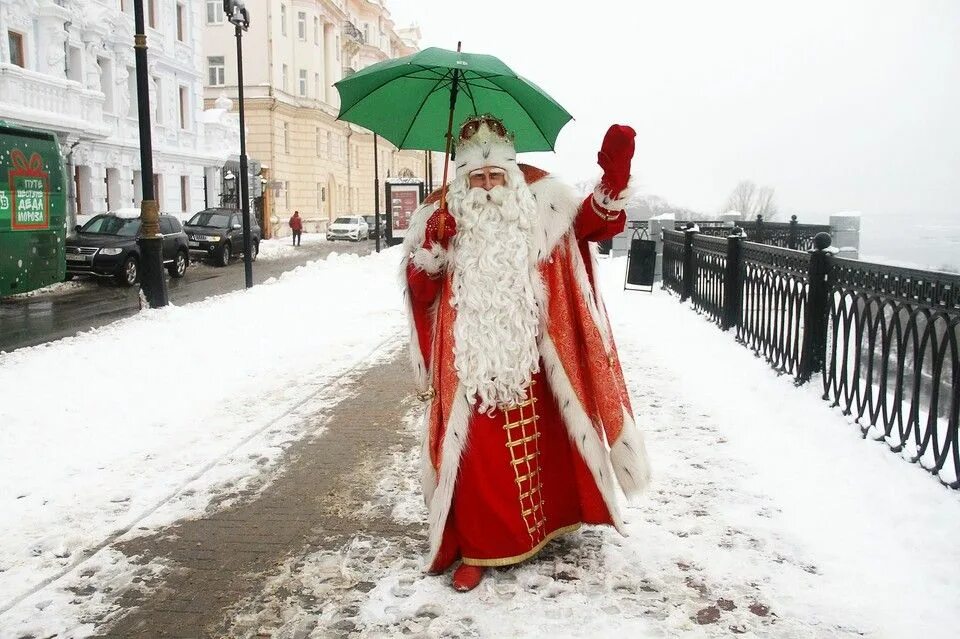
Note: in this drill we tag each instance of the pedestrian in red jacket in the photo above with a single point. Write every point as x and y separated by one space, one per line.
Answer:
296 225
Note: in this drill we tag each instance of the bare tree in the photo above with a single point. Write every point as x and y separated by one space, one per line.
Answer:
752 201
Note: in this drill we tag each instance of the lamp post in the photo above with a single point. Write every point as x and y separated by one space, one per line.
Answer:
152 280
376 194
238 16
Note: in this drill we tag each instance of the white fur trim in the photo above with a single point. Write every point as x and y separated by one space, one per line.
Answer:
416 231
557 207
484 149
430 260
580 429
604 199
454 441
428 475
629 458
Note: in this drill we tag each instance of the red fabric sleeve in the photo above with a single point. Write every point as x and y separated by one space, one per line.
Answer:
423 293
591 226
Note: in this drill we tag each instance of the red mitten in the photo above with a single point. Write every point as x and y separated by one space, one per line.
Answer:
614 158
434 234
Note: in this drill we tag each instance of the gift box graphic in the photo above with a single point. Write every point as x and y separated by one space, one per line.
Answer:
29 192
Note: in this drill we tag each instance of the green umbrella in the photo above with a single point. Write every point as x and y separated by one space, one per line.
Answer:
409 100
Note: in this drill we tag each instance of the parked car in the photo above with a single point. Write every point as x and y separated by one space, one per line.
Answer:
371 221
218 234
352 227
106 246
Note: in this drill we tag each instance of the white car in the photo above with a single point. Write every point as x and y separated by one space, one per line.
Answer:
353 227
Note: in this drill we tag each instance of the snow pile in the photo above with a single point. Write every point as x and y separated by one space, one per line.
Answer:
281 247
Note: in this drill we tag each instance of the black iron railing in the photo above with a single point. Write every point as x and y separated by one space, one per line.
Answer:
893 358
792 234
886 340
774 290
710 263
674 254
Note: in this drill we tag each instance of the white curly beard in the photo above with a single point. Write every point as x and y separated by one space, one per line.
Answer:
494 271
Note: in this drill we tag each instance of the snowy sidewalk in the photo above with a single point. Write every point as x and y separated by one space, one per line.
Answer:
768 517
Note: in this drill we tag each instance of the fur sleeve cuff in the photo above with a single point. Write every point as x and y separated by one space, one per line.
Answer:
602 199
430 260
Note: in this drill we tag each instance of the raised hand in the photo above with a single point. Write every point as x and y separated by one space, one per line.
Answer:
614 158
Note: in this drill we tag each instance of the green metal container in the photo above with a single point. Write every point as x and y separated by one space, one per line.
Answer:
33 207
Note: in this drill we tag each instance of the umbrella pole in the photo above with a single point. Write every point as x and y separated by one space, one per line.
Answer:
446 156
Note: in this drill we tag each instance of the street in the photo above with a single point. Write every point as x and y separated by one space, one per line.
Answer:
38 319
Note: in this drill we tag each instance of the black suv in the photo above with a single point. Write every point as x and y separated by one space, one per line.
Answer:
372 221
218 234
106 246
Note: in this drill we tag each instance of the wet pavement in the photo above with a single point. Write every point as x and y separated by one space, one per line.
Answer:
44 317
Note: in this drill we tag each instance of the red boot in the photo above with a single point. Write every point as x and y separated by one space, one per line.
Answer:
467 577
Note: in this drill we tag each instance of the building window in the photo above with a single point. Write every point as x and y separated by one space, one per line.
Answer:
214 11
158 101
283 77
181 22
184 108
316 31
318 141
75 64
132 91
152 13
302 26
303 83
185 194
17 57
215 71
106 84
286 137
283 19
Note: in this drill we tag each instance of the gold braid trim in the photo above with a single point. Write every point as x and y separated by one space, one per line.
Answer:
507 561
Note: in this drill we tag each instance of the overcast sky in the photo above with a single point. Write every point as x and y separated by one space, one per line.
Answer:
839 105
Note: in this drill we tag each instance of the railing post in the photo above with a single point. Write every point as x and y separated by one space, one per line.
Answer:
689 265
792 237
816 315
732 286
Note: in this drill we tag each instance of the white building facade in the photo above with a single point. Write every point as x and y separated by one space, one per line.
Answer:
68 66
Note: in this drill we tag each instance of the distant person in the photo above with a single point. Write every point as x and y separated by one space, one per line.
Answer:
296 225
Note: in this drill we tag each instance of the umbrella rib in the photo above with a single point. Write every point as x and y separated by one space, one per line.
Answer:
417 67
469 91
422 104
532 119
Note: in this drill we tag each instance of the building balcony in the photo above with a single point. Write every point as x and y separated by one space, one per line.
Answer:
352 38
52 103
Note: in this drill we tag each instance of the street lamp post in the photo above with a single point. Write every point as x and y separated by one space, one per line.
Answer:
152 280
238 16
376 193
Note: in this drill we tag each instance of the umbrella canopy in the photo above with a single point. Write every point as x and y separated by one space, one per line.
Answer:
408 100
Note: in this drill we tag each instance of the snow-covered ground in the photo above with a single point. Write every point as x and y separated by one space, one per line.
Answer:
768 515
98 430
280 247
